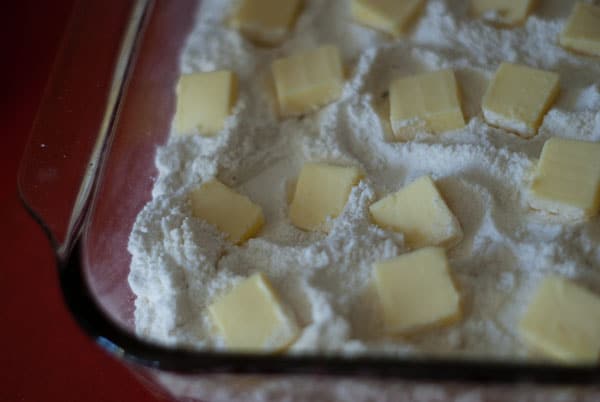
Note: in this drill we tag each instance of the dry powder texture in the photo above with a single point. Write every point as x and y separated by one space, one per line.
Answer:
180 264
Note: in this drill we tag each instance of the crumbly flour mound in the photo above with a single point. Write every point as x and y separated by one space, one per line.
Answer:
180 264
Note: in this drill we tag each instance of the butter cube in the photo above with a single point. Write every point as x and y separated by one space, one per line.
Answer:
563 321
389 16
567 179
426 102
416 291
420 213
308 80
518 98
582 31
509 12
265 21
251 318
321 192
204 100
232 213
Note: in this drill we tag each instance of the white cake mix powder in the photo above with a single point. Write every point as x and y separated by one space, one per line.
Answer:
181 264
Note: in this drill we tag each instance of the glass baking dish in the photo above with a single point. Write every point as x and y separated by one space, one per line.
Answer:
89 169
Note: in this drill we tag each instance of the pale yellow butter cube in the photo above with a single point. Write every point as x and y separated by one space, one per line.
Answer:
389 16
251 317
518 98
567 179
428 102
416 291
232 213
507 12
204 100
308 80
321 192
563 321
582 31
266 21
420 213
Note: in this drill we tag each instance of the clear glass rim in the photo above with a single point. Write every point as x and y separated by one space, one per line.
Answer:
124 345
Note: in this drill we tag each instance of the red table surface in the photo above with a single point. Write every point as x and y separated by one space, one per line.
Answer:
44 357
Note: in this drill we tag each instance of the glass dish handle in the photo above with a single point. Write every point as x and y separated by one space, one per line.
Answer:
75 119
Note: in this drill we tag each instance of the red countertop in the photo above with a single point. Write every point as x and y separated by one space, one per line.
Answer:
45 357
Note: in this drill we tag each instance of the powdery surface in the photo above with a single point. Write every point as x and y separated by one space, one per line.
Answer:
254 388
180 264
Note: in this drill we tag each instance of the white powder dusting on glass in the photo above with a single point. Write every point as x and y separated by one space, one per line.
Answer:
180 264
